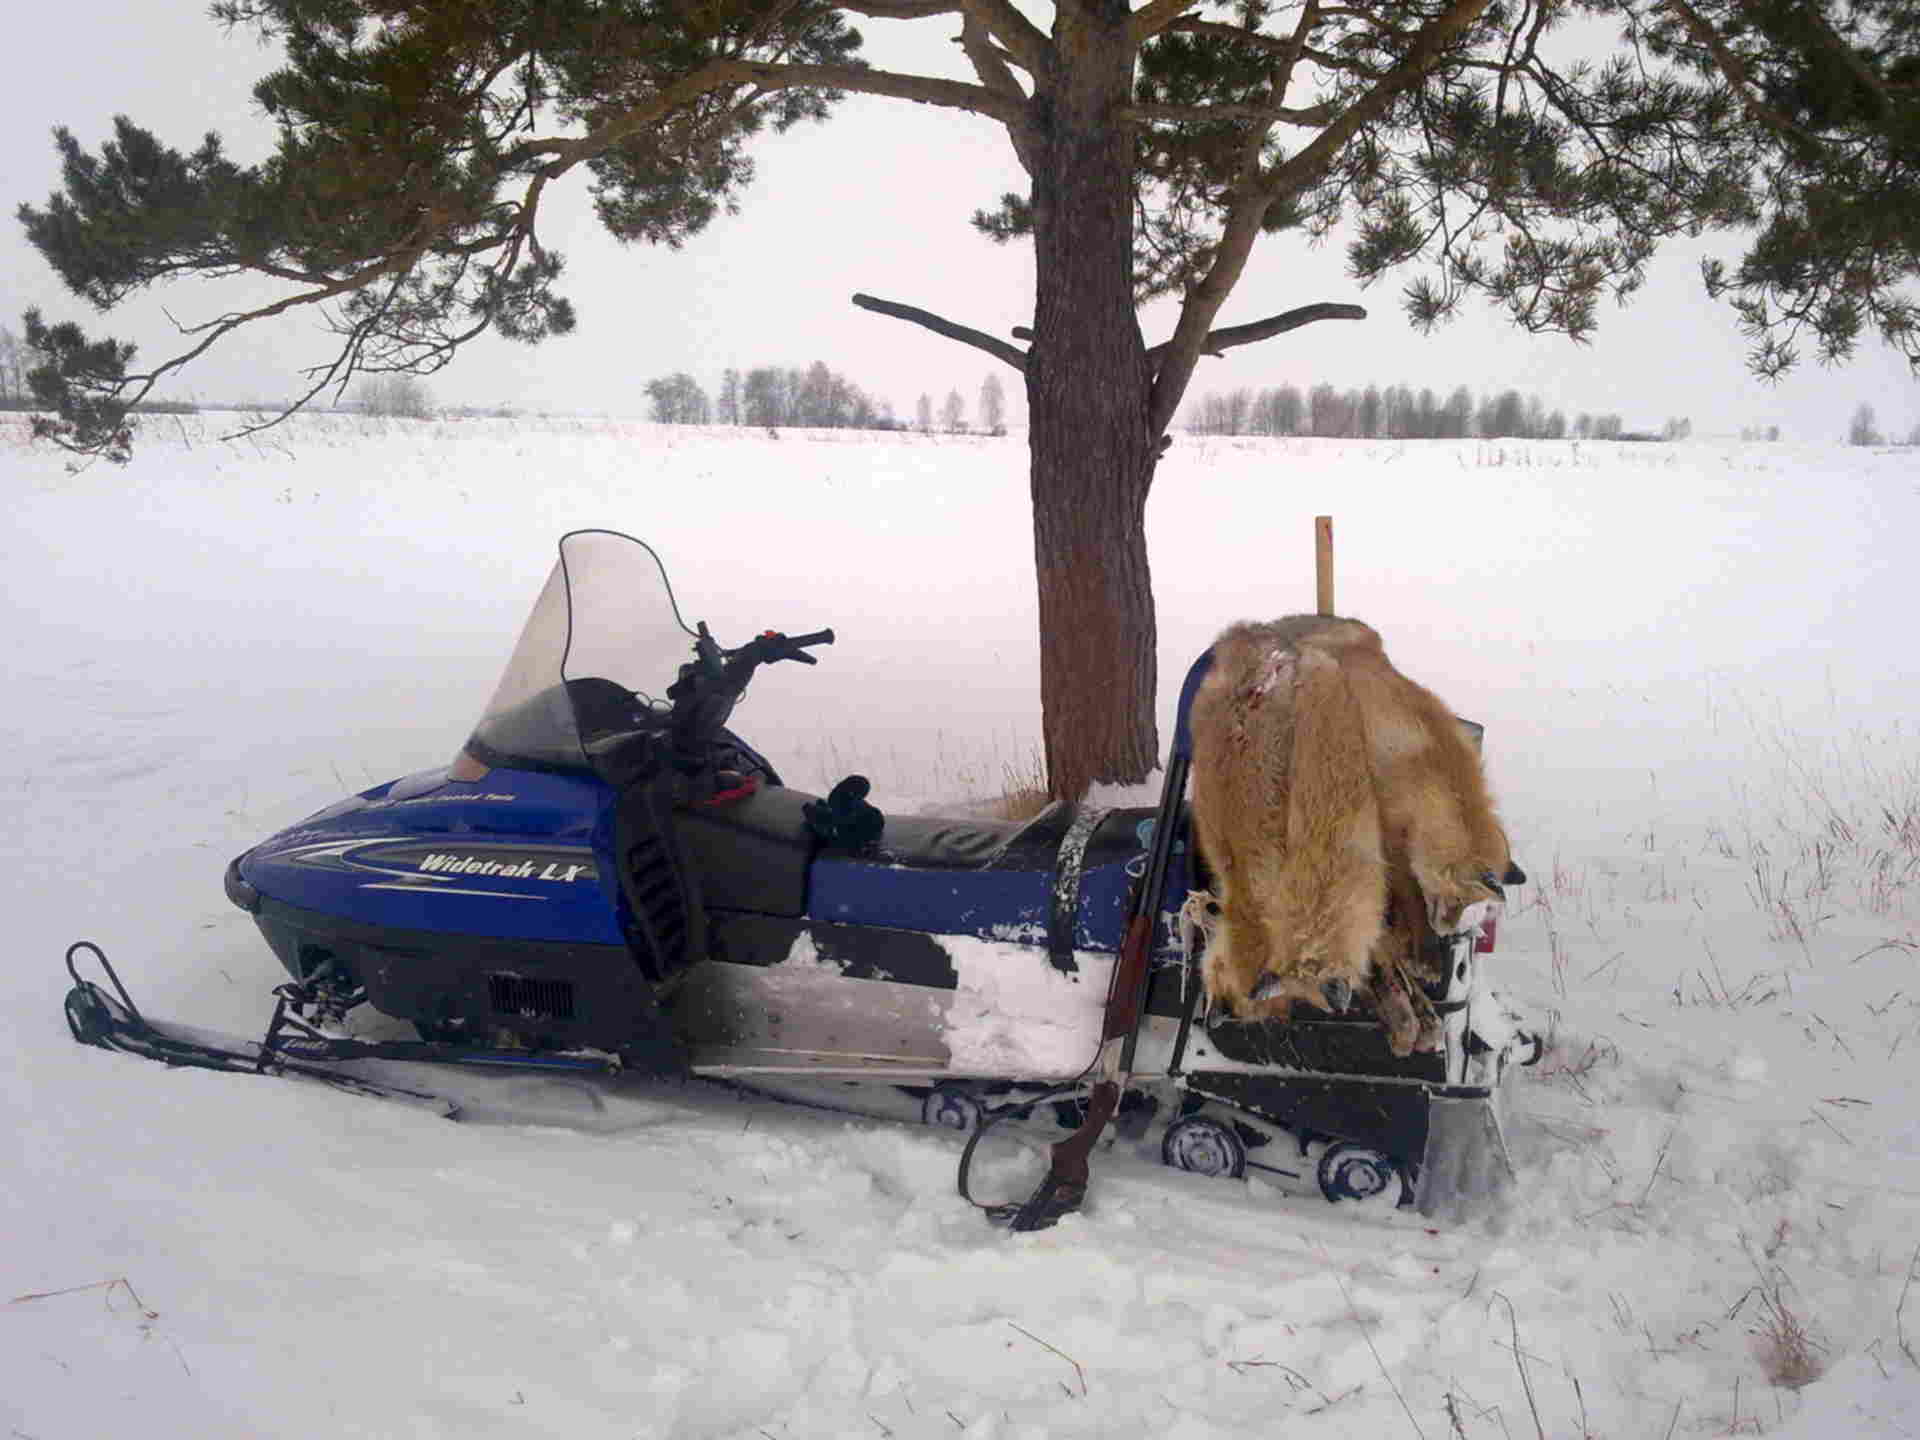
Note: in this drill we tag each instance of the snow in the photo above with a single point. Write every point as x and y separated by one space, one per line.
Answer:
1012 1017
1695 667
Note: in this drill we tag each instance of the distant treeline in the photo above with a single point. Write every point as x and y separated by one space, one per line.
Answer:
1398 412
769 396
22 403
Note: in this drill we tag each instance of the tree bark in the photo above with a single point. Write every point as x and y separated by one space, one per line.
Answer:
1090 438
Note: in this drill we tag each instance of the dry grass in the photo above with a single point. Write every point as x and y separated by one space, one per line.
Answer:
1559 1063
1794 899
1714 991
1564 891
961 774
1846 806
1023 792
1900 1311
1788 1352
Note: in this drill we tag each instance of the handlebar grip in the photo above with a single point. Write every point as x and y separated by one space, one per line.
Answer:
818 637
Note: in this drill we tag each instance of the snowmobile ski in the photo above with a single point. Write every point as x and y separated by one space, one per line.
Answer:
292 1047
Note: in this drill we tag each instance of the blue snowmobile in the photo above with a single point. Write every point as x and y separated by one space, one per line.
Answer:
607 879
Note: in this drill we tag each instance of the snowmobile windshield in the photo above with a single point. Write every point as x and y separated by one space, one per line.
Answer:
603 642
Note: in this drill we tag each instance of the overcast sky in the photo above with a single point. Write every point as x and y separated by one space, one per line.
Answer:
875 200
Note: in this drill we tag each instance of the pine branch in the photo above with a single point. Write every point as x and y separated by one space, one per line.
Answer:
1228 336
966 335
1249 211
1735 73
1428 46
1029 45
990 64
901 9
1261 115
1156 16
925 89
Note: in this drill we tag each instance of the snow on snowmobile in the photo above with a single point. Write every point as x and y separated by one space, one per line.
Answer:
607 879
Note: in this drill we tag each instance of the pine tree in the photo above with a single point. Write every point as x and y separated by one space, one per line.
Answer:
419 139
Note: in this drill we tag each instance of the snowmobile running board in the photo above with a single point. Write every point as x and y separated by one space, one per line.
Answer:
727 1061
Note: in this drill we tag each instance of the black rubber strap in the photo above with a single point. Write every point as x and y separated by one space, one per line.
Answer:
1063 914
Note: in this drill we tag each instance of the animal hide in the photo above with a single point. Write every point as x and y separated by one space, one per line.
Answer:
1342 814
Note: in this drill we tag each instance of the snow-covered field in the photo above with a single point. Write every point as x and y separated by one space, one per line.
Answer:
1697 672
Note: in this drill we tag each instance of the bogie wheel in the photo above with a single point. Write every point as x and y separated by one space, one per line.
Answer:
951 1109
1205 1146
1349 1172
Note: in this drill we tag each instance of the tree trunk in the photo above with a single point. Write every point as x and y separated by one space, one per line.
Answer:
1090 441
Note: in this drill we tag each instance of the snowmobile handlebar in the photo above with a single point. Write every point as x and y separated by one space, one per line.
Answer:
737 665
771 645
796 642
704 695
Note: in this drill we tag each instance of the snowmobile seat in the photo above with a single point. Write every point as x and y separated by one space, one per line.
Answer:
998 880
943 842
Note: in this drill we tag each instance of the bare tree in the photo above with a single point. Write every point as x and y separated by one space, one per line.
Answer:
763 398
1458 415
394 396
13 370
679 399
993 406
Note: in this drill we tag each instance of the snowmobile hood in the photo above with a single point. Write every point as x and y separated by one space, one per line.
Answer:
511 855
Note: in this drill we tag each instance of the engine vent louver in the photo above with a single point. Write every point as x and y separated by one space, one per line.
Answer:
659 911
530 999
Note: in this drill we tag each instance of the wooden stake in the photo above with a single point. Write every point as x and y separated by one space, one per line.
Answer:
1323 562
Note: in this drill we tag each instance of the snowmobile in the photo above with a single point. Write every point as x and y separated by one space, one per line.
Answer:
606 878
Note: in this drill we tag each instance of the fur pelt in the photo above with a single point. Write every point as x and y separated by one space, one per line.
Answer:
1342 813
